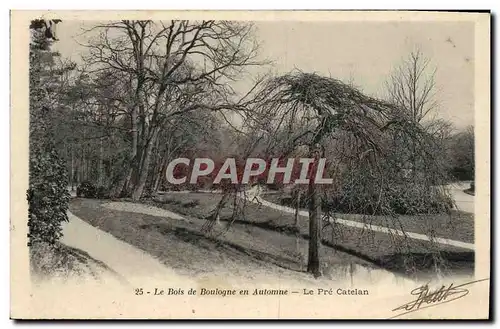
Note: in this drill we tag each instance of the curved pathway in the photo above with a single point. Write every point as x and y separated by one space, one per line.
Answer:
464 201
124 259
253 195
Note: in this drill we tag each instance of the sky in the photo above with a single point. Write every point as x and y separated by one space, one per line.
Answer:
359 51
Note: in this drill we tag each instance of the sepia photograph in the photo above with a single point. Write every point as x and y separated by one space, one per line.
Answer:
258 165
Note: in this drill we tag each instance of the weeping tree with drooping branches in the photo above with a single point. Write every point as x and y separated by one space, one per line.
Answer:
317 112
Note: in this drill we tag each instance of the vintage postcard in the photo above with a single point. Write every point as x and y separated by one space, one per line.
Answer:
250 165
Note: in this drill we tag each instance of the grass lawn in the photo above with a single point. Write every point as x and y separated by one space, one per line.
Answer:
392 252
456 226
64 262
245 248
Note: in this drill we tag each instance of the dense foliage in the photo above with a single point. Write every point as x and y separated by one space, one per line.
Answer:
462 154
47 195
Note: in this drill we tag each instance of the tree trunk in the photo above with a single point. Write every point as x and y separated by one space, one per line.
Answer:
122 184
101 164
72 169
313 264
220 206
143 175
133 154
297 195
160 174
88 169
144 168
78 171
130 178
297 208
156 178
156 166
84 167
119 186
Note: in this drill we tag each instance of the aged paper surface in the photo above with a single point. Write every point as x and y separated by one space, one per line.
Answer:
140 257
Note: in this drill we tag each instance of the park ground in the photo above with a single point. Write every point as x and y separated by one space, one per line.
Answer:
168 232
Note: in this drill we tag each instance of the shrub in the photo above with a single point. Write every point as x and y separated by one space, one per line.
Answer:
48 197
409 199
102 192
47 194
461 173
87 190
415 199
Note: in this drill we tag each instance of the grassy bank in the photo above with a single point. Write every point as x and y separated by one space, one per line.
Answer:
456 226
59 261
397 253
261 240
243 248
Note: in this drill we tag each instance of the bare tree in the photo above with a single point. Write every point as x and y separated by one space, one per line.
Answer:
411 86
170 68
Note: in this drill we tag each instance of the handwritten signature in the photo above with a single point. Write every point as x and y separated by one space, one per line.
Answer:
430 298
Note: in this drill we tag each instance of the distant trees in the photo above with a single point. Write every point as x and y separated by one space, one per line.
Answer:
412 86
47 195
462 155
